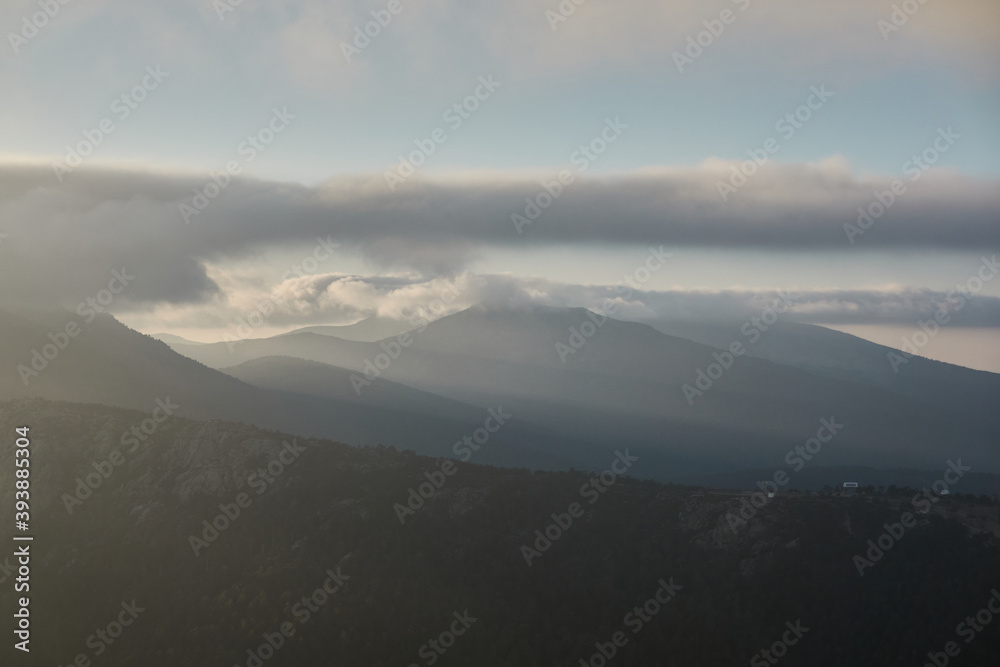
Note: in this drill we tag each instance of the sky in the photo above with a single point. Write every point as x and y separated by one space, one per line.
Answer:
535 151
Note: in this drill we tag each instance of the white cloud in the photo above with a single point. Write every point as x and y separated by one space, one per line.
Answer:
344 299
66 238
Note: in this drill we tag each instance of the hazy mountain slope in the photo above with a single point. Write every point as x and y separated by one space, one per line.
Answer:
331 508
626 383
314 347
407 416
832 353
632 368
108 363
367 330
291 374
171 339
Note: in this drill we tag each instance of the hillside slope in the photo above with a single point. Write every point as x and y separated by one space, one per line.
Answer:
628 382
327 509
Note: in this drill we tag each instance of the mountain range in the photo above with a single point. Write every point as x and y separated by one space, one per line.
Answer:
576 385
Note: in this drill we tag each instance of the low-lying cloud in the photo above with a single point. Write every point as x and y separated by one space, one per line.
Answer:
63 240
344 299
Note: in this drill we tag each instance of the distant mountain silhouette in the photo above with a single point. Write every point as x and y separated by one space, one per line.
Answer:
835 354
110 364
625 383
367 330
171 339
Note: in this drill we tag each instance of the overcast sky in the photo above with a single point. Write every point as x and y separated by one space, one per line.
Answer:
646 128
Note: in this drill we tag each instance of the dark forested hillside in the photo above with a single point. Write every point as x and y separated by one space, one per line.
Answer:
446 580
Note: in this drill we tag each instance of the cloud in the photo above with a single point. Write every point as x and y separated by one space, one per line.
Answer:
333 298
66 238
889 305
902 305
522 39
300 40
71 235
800 37
343 299
349 297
